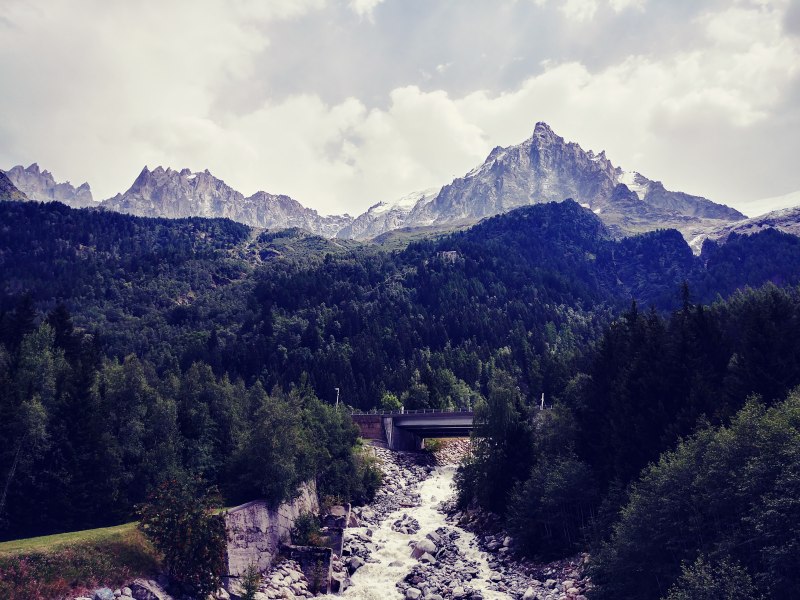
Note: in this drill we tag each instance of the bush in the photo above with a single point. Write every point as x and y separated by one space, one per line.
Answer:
306 531
712 581
178 518
370 476
251 580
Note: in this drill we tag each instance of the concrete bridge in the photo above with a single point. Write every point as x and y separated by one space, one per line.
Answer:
408 429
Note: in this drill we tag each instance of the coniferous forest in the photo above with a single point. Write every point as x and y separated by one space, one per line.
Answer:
136 349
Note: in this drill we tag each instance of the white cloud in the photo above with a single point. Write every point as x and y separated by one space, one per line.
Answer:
620 5
579 10
131 85
364 8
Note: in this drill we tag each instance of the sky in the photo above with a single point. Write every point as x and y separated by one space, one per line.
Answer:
344 103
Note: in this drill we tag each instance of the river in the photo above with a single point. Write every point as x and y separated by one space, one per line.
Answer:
392 557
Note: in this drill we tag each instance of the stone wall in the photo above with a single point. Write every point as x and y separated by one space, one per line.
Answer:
370 426
256 531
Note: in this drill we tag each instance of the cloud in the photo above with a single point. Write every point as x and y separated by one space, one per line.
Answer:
620 5
117 86
364 8
579 10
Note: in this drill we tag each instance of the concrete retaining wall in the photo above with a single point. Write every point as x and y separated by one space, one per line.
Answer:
315 563
256 531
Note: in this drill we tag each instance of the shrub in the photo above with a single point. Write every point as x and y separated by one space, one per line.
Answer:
711 581
251 580
178 518
306 531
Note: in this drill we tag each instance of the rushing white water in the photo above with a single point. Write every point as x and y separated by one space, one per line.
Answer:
376 580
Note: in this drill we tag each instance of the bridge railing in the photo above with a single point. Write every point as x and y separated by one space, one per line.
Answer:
414 411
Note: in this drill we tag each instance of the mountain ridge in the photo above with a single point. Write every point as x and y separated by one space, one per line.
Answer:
40 185
543 168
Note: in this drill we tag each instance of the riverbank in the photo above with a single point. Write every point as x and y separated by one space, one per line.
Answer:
413 539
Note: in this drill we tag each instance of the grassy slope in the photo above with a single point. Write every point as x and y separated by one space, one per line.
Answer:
59 565
48 543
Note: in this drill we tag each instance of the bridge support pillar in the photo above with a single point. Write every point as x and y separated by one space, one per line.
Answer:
401 439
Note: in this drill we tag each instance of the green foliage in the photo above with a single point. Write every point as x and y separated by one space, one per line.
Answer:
549 514
727 491
171 342
306 531
705 581
390 401
179 520
369 475
250 582
501 445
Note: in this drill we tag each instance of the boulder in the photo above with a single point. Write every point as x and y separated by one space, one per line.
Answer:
422 547
338 583
413 593
145 589
530 594
434 537
354 563
103 594
427 559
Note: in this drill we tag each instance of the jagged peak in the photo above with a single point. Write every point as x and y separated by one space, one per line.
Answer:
33 168
541 128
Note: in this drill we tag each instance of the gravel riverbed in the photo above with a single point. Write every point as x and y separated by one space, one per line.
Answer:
413 540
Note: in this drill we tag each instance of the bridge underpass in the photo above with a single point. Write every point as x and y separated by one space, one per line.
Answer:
407 430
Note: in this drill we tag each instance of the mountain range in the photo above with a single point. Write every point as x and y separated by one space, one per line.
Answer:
543 168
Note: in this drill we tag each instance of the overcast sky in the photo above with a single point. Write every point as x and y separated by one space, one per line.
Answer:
343 103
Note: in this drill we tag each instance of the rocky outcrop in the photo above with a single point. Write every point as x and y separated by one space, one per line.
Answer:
179 194
8 191
41 186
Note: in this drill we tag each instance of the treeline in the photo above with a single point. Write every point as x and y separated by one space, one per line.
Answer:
87 437
578 474
191 327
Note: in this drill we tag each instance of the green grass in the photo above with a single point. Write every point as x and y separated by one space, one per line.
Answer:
55 566
50 542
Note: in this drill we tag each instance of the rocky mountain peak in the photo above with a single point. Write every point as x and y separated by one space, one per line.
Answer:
41 186
165 192
547 168
543 131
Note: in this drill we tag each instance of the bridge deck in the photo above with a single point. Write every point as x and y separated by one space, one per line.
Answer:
413 426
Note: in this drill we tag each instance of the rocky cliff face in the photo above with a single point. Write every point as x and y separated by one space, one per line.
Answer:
543 168
786 220
8 191
386 216
176 194
41 186
546 168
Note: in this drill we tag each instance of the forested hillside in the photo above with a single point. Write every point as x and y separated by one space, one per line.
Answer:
134 348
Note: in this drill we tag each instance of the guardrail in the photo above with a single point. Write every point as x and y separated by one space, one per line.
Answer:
415 411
